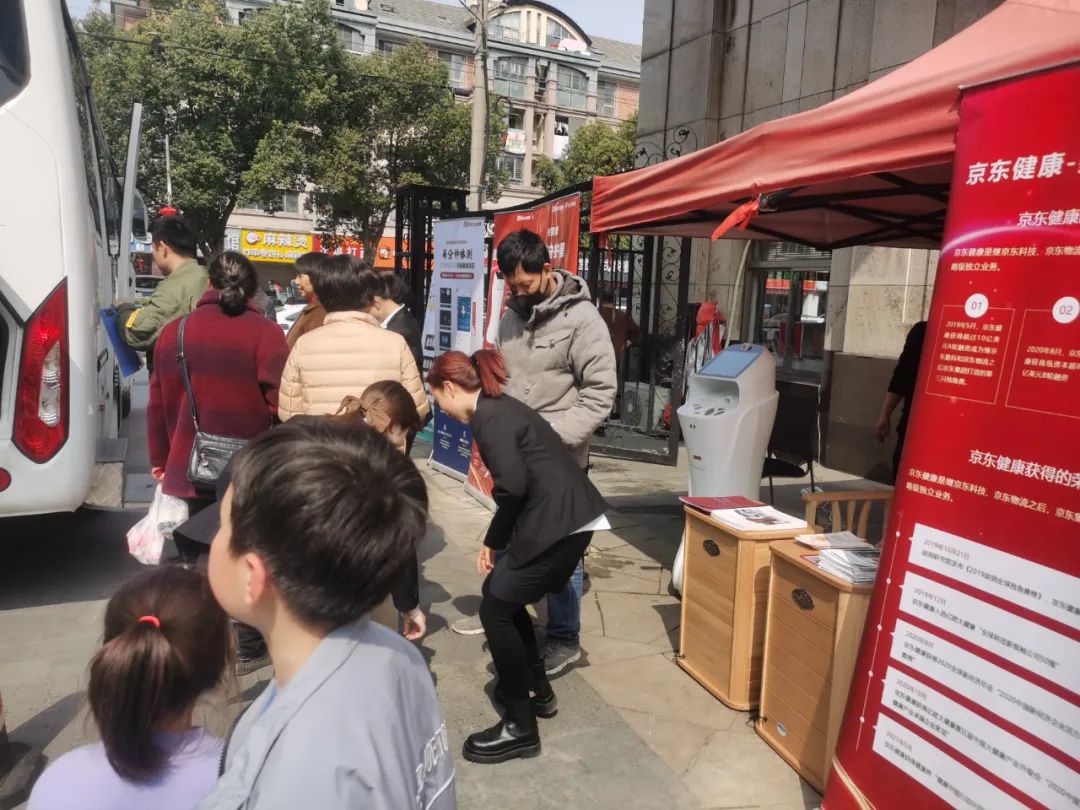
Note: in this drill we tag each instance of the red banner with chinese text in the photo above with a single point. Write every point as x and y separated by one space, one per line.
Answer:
559 223
966 690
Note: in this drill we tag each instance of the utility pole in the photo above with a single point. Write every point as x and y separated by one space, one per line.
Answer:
168 172
478 150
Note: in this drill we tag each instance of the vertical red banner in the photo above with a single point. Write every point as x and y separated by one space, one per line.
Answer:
559 223
967 687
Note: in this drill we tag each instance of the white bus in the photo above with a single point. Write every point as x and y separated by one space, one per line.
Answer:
60 391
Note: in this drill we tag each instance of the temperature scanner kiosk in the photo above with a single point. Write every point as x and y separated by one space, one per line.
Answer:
726 422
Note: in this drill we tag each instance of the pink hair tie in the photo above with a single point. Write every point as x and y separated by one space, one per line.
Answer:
150 620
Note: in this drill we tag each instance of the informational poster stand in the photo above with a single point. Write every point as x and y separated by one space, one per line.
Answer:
454 321
558 222
967 686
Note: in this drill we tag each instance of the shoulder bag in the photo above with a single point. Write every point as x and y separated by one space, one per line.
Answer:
210 453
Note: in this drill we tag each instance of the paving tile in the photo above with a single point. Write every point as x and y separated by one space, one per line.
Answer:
676 743
740 770
597 649
632 617
608 573
655 685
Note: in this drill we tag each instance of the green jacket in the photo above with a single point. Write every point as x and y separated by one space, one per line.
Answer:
175 296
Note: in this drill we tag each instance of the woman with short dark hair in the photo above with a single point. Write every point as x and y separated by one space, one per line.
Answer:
311 316
350 351
546 512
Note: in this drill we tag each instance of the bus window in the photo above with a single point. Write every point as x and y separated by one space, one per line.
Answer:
14 65
140 231
107 175
86 137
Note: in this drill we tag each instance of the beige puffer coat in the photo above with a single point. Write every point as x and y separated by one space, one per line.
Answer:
345 355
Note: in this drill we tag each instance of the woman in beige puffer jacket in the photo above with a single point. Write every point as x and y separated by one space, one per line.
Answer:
350 351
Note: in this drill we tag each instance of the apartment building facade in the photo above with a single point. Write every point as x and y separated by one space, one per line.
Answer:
546 75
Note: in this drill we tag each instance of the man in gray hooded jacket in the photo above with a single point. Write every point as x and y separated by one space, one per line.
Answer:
561 362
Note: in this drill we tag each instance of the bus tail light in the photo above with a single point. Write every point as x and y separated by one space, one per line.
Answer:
41 404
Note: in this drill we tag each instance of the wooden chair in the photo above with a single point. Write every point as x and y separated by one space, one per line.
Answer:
849 510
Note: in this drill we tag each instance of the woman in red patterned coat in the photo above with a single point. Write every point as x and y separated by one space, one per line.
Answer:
235 356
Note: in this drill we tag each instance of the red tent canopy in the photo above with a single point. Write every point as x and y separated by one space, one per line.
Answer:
871 167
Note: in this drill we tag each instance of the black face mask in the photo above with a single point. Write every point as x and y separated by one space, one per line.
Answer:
524 304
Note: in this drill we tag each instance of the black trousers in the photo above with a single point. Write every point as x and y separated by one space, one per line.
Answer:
189 549
506 592
249 642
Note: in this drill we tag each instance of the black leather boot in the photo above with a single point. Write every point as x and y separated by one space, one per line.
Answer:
515 736
545 703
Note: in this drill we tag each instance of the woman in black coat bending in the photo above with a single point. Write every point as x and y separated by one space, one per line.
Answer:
545 507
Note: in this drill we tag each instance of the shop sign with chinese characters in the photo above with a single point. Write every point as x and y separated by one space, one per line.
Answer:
274 246
967 687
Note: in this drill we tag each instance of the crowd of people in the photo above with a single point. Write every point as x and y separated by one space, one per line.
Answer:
291 452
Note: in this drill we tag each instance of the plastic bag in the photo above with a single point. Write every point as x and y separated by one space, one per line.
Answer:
146 539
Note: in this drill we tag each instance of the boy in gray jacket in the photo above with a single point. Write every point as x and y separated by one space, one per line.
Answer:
316 527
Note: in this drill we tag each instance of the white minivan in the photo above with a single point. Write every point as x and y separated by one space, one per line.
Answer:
60 391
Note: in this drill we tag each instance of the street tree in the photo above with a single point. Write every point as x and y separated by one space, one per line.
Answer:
596 149
394 121
221 92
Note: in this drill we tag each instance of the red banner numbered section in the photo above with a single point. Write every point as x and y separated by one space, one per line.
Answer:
558 222
967 688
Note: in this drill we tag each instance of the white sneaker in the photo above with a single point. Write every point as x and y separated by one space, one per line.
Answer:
468 626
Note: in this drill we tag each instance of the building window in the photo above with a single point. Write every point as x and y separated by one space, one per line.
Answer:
506 26
351 39
386 47
605 99
515 118
573 88
513 166
510 73
788 293
557 32
290 202
455 64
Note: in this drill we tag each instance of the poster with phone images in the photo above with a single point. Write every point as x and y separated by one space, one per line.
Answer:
559 223
966 690
452 322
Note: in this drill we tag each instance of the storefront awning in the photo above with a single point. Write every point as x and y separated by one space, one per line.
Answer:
871 167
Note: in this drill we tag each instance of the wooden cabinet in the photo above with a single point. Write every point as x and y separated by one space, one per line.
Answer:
725 588
815 623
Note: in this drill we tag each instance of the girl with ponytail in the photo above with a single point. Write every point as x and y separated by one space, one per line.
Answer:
545 512
167 642
388 408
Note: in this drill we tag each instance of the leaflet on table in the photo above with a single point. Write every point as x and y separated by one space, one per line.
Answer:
852 564
832 540
757 519
710 505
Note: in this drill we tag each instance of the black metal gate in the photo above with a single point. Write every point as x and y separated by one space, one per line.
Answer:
639 283
415 209
641 286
